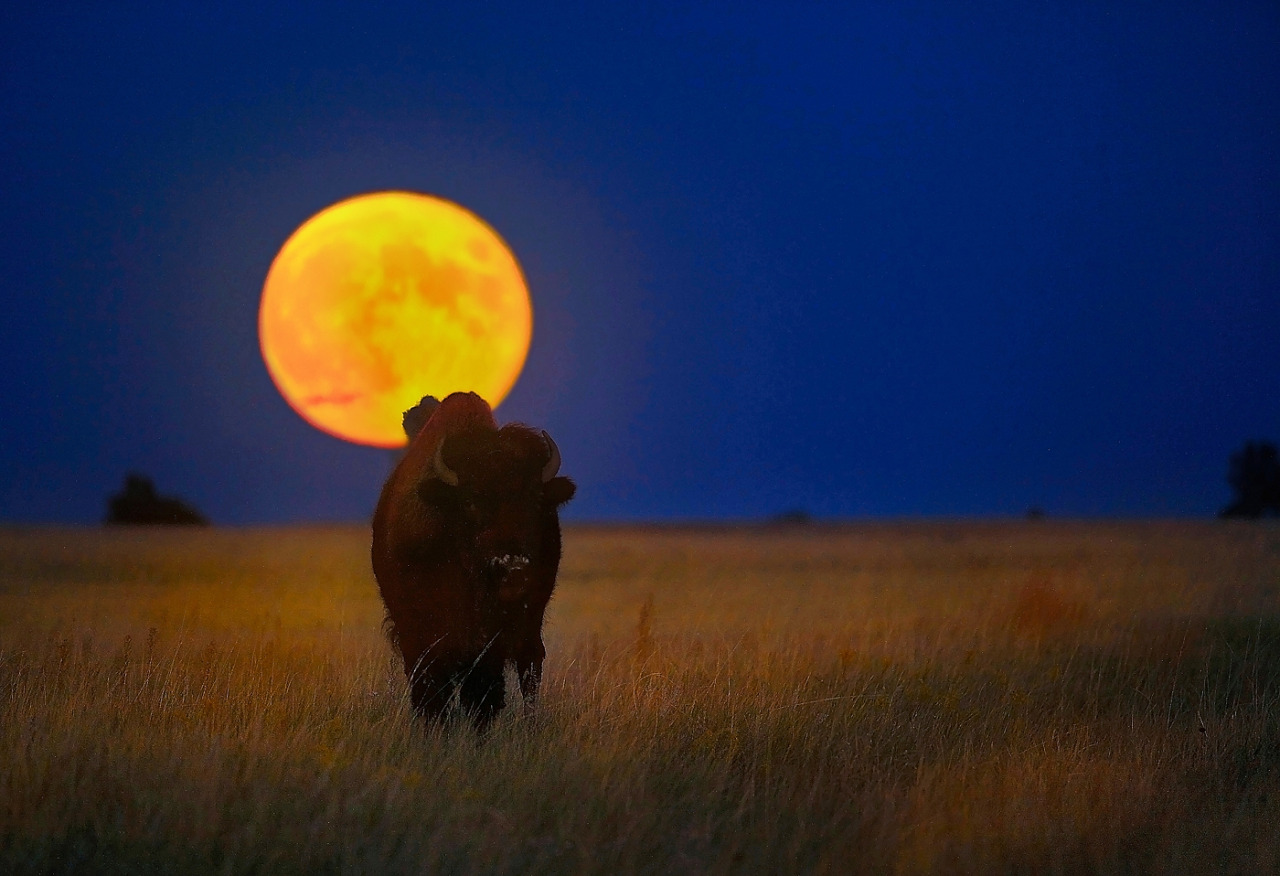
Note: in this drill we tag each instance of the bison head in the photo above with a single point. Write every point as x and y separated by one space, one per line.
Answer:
499 491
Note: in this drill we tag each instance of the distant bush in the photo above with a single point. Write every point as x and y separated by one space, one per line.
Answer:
793 517
138 503
1254 474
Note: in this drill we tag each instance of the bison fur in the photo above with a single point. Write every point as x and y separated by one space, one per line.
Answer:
466 547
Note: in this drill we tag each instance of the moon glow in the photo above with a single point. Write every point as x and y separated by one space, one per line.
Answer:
383 298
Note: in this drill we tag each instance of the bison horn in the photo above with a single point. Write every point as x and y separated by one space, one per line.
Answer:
553 464
442 471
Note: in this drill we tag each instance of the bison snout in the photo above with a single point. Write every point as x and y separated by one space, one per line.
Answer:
508 562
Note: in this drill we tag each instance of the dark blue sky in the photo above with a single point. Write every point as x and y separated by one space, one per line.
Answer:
862 259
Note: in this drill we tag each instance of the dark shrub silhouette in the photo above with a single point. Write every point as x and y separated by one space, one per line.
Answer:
138 503
1255 476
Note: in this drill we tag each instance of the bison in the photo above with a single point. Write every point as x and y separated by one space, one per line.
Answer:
466 546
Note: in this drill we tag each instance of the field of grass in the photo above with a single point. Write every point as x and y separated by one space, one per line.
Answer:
914 698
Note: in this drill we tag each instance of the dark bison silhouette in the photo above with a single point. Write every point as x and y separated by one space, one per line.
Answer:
466 546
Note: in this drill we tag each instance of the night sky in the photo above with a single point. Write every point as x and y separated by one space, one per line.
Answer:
865 260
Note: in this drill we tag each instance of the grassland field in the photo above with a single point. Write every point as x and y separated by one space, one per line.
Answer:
1016 697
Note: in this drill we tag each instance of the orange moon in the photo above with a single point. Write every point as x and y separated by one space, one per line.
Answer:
383 298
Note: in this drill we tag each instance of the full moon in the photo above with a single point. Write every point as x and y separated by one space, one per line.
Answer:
383 298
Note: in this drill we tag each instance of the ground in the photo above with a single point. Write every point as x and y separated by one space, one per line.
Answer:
927 697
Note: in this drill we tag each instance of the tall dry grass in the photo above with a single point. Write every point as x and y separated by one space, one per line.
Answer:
919 698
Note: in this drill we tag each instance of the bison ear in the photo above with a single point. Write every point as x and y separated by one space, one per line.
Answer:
557 491
437 494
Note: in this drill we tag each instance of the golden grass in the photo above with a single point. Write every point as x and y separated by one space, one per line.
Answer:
978 698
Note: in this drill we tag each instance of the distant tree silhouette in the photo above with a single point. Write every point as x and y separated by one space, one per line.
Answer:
793 517
1255 476
138 503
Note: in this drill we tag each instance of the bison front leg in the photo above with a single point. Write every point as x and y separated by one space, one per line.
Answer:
430 693
529 671
483 694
